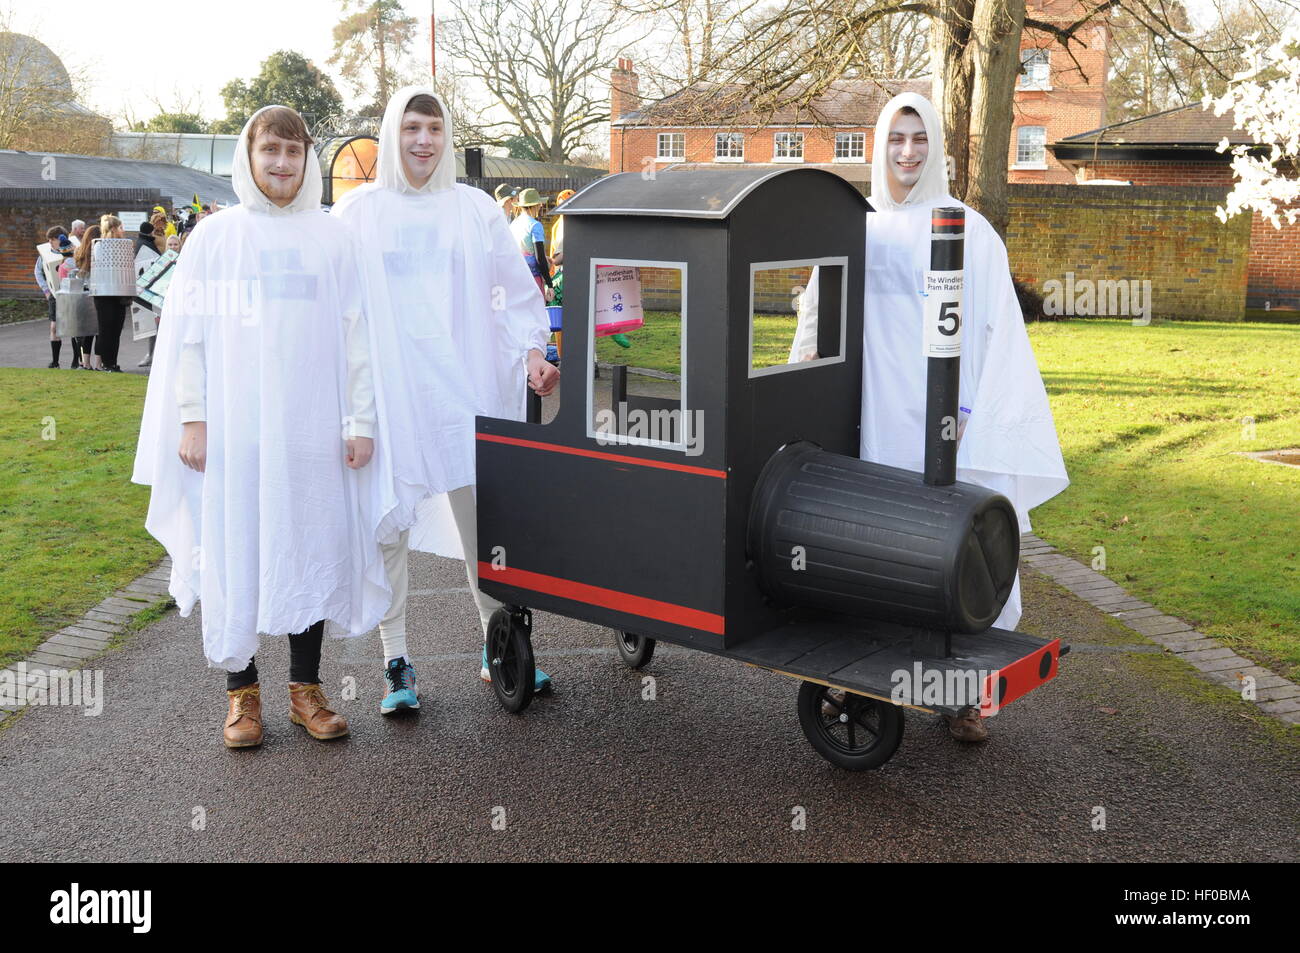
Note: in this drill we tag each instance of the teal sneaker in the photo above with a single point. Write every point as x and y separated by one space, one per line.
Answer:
541 681
403 689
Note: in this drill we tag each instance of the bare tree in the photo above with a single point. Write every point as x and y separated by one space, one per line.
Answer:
38 99
542 61
794 50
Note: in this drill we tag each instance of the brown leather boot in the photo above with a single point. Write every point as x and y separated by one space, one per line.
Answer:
308 707
967 725
244 722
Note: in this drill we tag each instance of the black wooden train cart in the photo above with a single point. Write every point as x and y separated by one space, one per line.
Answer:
739 520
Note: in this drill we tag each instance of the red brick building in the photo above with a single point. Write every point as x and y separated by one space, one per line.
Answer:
1056 96
1058 92
1179 147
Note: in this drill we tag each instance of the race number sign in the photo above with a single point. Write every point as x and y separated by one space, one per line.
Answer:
943 308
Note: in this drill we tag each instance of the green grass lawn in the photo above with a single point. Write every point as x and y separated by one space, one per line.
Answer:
658 345
1151 420
71 522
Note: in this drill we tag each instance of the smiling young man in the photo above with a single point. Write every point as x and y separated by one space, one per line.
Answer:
258 428
458 328
1006 436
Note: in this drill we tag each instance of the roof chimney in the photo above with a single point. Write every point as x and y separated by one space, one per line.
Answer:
623 94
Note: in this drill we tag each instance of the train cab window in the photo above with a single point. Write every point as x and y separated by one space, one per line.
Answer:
795 310
637 329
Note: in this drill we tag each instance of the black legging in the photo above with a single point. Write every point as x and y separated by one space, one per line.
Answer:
304 660
111 312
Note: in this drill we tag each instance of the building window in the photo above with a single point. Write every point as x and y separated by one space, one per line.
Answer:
1035 69
1031 147
788 147
672 145
850 146
729 147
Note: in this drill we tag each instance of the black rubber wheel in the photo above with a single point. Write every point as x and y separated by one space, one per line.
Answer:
850 731
510 657
635 650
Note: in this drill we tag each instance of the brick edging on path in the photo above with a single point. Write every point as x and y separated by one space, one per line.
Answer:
1274 694
76 645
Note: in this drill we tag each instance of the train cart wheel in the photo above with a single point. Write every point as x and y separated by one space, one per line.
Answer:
850 731
635 650
510 657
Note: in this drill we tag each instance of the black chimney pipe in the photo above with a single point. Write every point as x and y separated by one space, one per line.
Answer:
943 318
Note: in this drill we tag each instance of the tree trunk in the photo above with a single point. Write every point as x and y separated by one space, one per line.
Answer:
998 25
951 88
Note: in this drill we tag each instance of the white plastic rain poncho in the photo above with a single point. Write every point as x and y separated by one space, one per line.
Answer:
454 312
1009 443
261 317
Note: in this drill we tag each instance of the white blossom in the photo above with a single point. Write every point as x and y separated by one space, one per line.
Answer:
1265 102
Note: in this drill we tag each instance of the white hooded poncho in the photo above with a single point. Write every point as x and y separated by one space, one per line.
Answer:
454 311
1009 443
278 532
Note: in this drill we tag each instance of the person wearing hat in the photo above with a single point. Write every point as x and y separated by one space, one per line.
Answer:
505 196
531 236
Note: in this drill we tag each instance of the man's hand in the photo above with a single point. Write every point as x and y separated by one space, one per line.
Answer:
548 292
360 450
194 445
542 375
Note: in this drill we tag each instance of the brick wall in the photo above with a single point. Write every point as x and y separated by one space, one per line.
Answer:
1274 273
1169 236
1076 101
25 214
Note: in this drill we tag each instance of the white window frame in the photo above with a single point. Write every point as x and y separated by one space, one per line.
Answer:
623 439
787 137
1026 79
860 138
734 136
1030 163
661 156
757 266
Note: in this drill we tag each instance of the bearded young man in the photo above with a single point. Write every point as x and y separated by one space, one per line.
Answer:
458 327
1006 436
262 377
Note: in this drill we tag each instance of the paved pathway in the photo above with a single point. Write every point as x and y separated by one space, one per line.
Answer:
713 768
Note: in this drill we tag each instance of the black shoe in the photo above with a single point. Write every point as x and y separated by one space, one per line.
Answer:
114 369
52 364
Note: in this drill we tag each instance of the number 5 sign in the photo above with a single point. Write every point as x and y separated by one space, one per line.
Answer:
943 307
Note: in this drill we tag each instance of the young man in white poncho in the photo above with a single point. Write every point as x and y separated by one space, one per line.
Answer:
458 328
1006 436
262 378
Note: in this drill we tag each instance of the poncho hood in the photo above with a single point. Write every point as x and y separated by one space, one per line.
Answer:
932 184
390 174
252 198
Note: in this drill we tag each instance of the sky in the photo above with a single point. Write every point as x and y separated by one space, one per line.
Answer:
140 54
180 51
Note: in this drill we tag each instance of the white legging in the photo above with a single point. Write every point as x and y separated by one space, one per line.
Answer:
392 629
